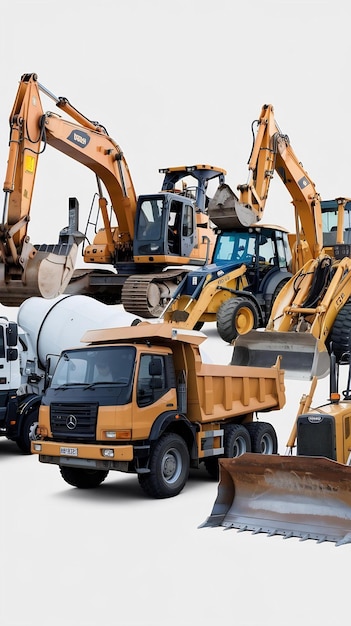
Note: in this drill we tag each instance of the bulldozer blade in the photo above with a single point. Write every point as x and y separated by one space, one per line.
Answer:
303 356
292 496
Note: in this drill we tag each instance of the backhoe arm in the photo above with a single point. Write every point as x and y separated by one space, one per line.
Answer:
271 152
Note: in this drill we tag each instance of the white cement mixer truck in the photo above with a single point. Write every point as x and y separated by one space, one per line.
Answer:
29 349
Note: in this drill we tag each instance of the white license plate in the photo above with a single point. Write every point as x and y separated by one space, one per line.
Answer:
69 451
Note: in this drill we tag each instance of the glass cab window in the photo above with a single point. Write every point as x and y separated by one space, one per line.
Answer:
87 367
150 220
151 384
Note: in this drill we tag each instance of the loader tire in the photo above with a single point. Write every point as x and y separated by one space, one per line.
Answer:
236 316
169 467
236 441
263 438
340 334
83 478
28 432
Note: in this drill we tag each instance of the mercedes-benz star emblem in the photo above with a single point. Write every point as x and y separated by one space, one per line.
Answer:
71 422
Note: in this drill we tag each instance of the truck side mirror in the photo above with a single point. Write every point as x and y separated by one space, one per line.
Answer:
12 334
155 367
11 354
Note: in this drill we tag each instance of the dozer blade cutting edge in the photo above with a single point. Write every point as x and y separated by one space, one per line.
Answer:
303 356
292 496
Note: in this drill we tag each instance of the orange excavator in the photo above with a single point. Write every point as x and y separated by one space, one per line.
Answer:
149 241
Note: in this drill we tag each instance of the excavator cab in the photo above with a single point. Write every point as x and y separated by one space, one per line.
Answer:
171 223
165 226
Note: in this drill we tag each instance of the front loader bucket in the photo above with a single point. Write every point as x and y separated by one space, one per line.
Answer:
303 356
292 496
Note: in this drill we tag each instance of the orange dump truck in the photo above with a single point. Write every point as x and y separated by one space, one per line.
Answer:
140 399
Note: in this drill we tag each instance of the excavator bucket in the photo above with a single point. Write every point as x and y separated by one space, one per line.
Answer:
303 356
292 496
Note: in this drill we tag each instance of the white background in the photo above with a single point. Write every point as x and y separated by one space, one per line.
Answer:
174 83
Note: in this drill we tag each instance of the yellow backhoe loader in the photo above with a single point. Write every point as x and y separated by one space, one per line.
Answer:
305 493
253 262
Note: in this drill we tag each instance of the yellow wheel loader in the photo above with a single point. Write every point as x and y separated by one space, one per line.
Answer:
305 493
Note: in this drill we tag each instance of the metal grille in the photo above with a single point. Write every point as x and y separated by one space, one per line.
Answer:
74 421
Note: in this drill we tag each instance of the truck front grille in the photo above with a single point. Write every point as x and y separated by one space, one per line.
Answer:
73 421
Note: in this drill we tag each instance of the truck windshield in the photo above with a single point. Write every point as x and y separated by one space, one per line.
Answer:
108 365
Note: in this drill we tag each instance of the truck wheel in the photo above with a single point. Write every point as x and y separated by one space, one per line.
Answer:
83 478
28 432
169 467
236 441
236 316
263 438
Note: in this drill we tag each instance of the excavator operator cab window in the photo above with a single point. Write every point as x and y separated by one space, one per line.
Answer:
150 220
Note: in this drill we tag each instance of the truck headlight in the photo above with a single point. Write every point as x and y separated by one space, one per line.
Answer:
110 434
108 452
37 447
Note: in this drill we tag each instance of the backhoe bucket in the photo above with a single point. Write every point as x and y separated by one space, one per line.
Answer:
303 356
227 212
292 496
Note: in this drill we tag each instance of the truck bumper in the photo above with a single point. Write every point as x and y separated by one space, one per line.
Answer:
84 455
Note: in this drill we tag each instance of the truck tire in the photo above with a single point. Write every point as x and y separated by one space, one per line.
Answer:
236 440
83 478
340 334
28 432
263 438
236 316
169 467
